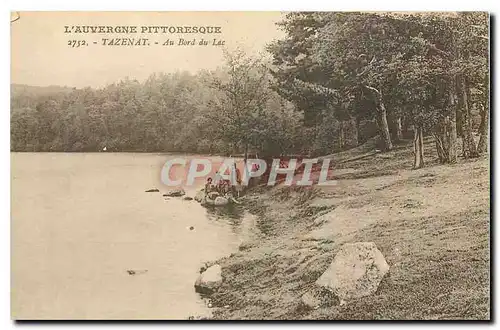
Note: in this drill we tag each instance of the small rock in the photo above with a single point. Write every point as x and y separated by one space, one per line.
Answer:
200 195
245 246
175 193
191 228
136 272
386 156
153 190
210 280
187 198
411 203
355 272
197 318
310 301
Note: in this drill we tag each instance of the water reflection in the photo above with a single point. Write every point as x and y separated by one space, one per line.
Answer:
242 223
230 212
81 220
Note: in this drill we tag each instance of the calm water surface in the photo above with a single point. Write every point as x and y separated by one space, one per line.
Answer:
81 220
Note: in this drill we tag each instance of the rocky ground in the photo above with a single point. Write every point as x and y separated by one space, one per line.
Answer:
431 225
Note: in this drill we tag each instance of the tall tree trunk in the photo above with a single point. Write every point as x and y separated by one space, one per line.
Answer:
381 118
421 141
446 137
341 135
384 127
452 137
446 133
358 130
469 144
482 146
399 128
354 132
395 127
246 152
459 120
440 139
418 147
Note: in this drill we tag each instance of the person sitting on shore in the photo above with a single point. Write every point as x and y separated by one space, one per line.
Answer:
223 187
208 186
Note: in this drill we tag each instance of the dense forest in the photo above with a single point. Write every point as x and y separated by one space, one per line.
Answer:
334 81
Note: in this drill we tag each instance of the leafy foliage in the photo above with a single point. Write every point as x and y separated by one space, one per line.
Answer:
332 76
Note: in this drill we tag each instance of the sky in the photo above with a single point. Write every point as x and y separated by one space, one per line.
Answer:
41 56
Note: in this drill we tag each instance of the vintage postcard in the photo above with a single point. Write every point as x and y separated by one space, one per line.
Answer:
250 165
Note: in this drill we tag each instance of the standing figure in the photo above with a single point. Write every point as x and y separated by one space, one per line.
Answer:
208 186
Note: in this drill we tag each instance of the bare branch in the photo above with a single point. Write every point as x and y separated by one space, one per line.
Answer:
482 37
367 68
440 51
317 88
373 89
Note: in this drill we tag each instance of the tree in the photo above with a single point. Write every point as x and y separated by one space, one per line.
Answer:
418 69
240 100
332 77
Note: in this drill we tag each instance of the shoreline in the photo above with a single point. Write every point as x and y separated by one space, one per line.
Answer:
431 232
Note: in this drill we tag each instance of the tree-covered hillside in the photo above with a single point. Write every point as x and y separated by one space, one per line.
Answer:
335 80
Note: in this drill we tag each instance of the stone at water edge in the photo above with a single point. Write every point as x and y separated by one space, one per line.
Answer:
221 201
355 272
210 280
187 198
198 318
200 195
245 246
152 190
213 195
175 193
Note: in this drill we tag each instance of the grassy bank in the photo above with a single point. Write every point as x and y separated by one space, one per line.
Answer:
432 225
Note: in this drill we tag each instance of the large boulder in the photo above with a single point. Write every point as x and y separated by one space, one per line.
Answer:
221 201
355 272
209 281
213 195
175 193
214 199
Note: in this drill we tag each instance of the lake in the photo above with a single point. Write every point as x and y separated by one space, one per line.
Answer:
81 220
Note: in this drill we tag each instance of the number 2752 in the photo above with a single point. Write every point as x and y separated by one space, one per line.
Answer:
77 43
